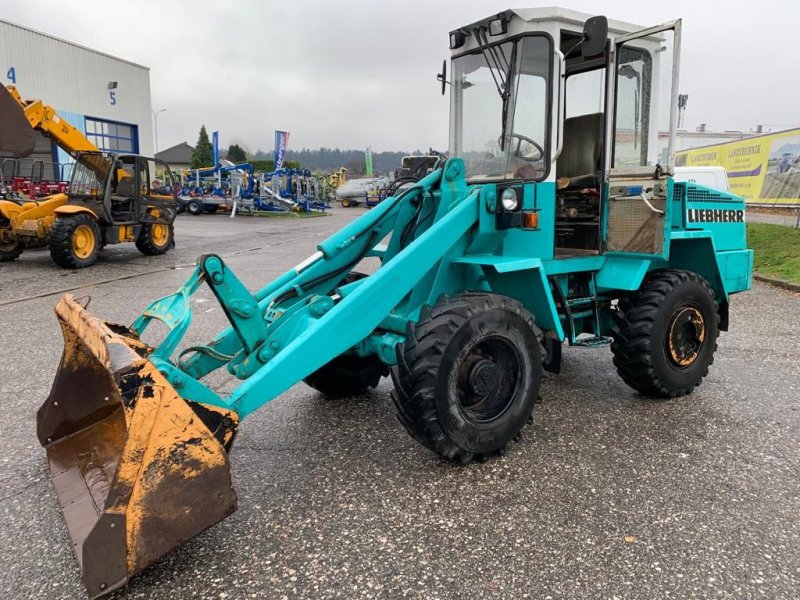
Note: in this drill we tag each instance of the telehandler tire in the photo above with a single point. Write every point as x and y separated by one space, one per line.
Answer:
347 375
75 241
468 375
155 238
665 334
10 251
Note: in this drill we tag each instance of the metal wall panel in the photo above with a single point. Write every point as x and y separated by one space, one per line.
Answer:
75 79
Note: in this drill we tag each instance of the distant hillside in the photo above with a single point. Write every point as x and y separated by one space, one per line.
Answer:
328 159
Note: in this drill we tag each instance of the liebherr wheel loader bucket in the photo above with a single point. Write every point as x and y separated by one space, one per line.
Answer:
17 138
137 469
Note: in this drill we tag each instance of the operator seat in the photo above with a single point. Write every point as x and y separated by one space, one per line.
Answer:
125 189
581 155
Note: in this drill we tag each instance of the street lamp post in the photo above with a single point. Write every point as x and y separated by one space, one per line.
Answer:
155 121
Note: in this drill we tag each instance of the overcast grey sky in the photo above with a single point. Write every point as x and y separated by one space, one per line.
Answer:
354 73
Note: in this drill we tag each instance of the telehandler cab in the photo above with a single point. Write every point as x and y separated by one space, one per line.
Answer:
554 219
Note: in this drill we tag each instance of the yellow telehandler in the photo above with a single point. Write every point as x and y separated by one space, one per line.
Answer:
28 224
111 198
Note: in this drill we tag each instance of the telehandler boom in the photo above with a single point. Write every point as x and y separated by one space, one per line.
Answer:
555 219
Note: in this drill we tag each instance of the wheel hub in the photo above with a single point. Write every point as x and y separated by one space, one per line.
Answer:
484 377
83 241
685 336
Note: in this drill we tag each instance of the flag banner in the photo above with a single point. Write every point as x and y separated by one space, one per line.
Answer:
368 162
281 143
215 148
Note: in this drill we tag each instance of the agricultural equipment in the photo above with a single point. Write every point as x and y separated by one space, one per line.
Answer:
539 229
206 189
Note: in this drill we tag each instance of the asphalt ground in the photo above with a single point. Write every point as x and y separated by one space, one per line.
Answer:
607 495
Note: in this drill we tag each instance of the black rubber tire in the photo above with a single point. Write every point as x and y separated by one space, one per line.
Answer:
180 206
194 207
10 251
641 328
212 208
60 242
147 246
348 375
427 393
346 202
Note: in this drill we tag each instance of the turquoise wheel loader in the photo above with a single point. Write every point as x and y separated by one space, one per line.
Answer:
554 220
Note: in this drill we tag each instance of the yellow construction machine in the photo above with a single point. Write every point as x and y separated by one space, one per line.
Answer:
28 224
111 198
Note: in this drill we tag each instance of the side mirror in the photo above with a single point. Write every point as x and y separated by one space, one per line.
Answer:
595 35
443 76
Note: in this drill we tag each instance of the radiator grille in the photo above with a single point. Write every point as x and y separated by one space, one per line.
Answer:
633 227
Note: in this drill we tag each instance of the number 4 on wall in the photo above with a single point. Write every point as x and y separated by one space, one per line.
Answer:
11 75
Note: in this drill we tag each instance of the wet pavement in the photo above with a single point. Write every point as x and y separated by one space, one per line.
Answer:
607 495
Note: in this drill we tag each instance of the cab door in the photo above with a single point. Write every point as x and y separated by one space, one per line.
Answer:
641 118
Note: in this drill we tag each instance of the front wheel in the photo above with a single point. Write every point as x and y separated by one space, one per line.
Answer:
10 251
75 241
665 335
154 238
468 375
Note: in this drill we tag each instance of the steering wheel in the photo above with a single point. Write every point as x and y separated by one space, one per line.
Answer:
523 138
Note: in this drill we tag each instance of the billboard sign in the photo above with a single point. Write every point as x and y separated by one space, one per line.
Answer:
763 169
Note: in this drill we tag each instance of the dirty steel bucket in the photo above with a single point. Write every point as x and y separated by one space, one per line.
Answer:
137 469
17 137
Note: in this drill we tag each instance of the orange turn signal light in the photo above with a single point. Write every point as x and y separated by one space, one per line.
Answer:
530 220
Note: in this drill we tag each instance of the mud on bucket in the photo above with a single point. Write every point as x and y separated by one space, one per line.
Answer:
137 469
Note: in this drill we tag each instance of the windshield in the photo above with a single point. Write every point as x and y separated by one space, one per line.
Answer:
89 175
499 110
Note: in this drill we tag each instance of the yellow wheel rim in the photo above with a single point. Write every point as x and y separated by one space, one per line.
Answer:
159 234
83 241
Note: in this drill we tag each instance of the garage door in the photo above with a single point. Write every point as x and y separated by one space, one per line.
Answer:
112 135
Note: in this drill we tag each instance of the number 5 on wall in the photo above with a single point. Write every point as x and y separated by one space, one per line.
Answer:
112 97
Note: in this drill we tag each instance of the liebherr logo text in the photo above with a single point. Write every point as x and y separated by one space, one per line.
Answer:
715 215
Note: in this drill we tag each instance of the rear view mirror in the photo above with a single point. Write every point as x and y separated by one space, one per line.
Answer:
595 35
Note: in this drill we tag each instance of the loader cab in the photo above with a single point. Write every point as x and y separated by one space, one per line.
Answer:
576 116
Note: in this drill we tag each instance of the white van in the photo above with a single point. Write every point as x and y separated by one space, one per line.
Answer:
713 177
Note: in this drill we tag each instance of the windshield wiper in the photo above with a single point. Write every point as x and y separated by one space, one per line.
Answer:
497 60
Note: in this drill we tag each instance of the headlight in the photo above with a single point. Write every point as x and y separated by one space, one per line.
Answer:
509 199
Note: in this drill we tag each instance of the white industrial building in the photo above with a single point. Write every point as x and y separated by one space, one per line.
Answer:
105 97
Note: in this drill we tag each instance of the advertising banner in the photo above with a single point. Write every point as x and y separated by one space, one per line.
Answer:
368 162
763 169
215 148
281 143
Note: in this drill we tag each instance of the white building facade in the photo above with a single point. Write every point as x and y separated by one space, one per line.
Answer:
105 97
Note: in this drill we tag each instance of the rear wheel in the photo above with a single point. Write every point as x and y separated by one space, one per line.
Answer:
194 207
154 238
75 241
348 375
666 334
468 375
9 251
